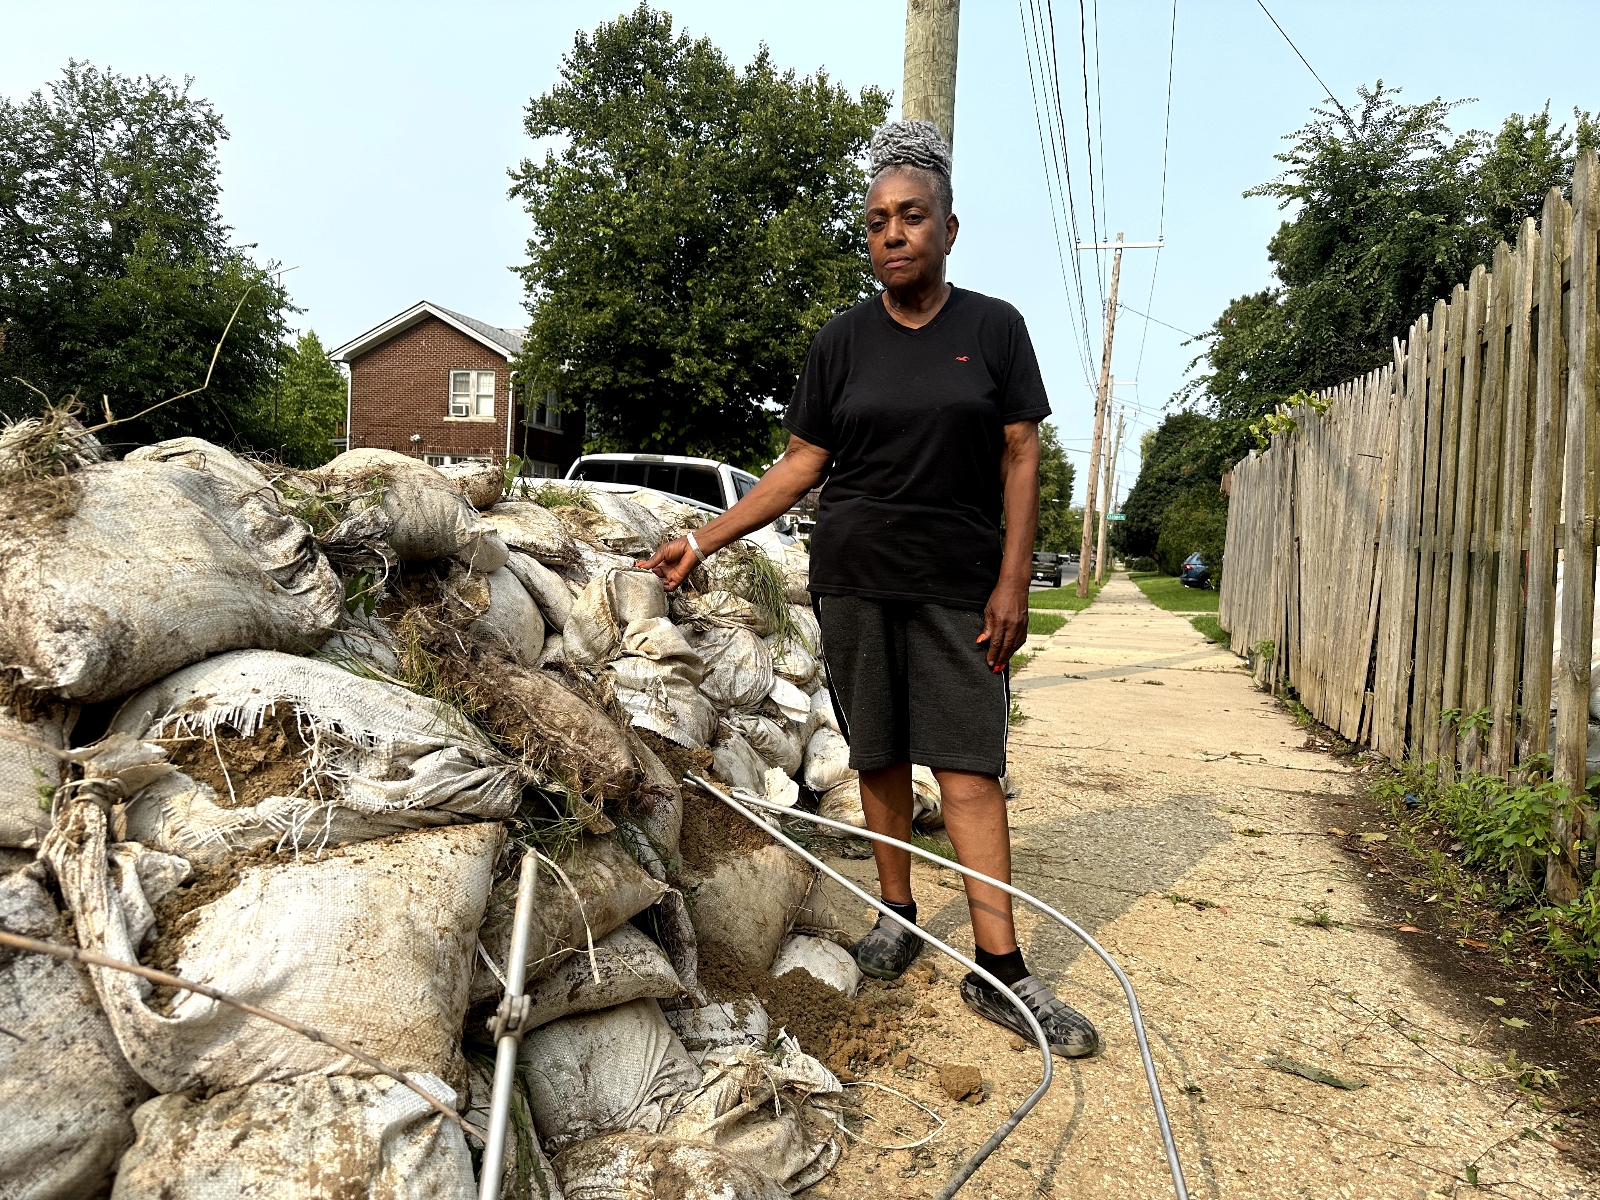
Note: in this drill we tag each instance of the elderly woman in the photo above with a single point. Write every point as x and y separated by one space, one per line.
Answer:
920 408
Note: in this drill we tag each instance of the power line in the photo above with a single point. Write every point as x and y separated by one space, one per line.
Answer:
1309 67
1161 223
1163 324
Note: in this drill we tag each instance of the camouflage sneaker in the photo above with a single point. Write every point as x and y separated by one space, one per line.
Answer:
887 950
1066 1029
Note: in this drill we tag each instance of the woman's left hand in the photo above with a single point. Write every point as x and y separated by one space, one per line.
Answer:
1005 625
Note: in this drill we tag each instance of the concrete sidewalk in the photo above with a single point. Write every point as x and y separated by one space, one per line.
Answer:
1173 810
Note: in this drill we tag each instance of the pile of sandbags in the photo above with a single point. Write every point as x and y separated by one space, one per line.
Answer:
290 734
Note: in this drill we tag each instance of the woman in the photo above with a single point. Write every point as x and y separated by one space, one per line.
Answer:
921 409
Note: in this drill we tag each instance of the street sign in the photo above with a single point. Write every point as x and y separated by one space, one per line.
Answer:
1116 516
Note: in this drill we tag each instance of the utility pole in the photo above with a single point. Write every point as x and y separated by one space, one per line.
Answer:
928 92
1111 497
1102 402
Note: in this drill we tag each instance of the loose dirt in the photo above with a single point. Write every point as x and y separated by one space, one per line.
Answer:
711 834
243 771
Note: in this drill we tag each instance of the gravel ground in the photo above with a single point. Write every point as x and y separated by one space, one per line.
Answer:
1179 815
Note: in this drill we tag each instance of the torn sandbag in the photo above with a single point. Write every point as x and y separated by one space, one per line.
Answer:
842 802
308 1139
611 888
534 530
745 902
481 483
927 804
631 966
154 567
823 960
427 515
775 741
200 455
549 590
634 1166
786 1143
611 522
738 765
741 1022
511 618
625 511
738 666
656 679
827 761
609 603
29 770
605 1072
318 755
300 938
67 1093
790 702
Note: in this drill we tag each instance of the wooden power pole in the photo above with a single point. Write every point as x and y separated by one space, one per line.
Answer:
1110 498
928 92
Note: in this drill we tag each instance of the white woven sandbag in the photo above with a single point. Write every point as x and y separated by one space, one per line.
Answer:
708 1026
157 566
201 455
29 773
533 529
662 820
604 1072
771 739
720 607
382 758
823 960
675 517
428 516
810 630
66 1093
827 761
309 1139
608 604
738 666
610 888
736 764
642 1166
480 483
796 565
372 945
655 679
842 802
927 806
364 642
789 701
744 903
623 510
549 590
512 618
554 652
632 967
792 660
782 790
822 710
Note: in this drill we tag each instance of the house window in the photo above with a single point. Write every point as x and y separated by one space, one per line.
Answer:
472 393
542 470
450 460
543 413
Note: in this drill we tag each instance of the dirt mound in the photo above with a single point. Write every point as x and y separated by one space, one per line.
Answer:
712 832
243 771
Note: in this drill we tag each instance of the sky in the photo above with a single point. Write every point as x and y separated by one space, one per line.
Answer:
370 143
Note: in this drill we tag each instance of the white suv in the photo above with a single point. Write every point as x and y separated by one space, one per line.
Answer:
702 482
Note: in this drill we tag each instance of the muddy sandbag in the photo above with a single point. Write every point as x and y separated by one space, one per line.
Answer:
656 679
775 741
827 761
611 889
534 530
29 773
427 515
549 590
300 938
67 1093
745 903
843 801
735 763
675 517
604 1072
625 511
641 1166
611 602
738 666
155 566
277 749
719 607
810 628
613 523
364 644
797 575
310 1139
663 821
823 715
823 960
725 1023
200 455
480 483
632 967
792 660
511 618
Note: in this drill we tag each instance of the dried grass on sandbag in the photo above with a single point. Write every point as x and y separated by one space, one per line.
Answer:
745 570
158 566
632 967
549 590
309 1139
67 1093
427 515
282 750
372 944
527 1173
39 458
640 1166
534 530
611 888
29 774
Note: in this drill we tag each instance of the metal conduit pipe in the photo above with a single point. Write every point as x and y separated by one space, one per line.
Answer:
1165 1126
955 1182
508 1028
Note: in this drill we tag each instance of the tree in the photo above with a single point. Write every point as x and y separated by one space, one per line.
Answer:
1186 453
1059 529
117 276
307 404
697 226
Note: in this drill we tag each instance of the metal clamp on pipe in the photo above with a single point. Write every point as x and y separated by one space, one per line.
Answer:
507 1025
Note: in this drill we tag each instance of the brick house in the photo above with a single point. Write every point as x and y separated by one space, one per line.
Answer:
439 385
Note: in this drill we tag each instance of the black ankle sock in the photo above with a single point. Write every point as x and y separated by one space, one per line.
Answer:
908 911
1007 968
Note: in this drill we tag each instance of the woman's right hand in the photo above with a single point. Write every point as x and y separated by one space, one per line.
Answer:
672 563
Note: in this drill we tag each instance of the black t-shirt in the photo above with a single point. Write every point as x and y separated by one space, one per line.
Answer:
915 421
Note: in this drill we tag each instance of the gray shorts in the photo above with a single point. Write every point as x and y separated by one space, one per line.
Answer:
910 683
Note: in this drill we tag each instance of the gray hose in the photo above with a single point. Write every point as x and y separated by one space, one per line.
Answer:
1173 1165
955 1182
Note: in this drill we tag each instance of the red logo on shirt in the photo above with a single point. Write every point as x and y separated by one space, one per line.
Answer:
961 358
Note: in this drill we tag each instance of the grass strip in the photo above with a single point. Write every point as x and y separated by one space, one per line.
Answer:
1065 599
1044 623
1211 628
1164 591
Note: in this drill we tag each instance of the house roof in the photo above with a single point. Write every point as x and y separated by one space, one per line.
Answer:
505 342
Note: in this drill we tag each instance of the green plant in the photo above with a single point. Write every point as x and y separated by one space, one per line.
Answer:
1317 916
1044 623
1264 650
1211 628
1016 716
1019 660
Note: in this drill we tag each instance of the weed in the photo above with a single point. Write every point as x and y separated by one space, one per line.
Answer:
1264 649
554 495
1317 916
1016 716
1020 660
1200 903
749 572
934 845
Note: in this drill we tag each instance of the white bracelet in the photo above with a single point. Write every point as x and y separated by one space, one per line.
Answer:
695 546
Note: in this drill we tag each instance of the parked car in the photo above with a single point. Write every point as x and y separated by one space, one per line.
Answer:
1195 572
1047 567
703 482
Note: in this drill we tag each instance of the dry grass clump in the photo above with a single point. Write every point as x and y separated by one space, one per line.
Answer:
38 456
749 573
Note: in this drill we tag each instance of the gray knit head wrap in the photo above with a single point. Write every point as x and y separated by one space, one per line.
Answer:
917 146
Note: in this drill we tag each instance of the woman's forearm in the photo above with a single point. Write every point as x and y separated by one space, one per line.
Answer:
1019 481
799 470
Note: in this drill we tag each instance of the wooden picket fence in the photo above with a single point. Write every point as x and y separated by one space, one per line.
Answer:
1396 556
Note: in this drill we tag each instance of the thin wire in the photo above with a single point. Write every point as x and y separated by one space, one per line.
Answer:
1100 115
1161 233
1064 162
1309 67
1163 324
1088 142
